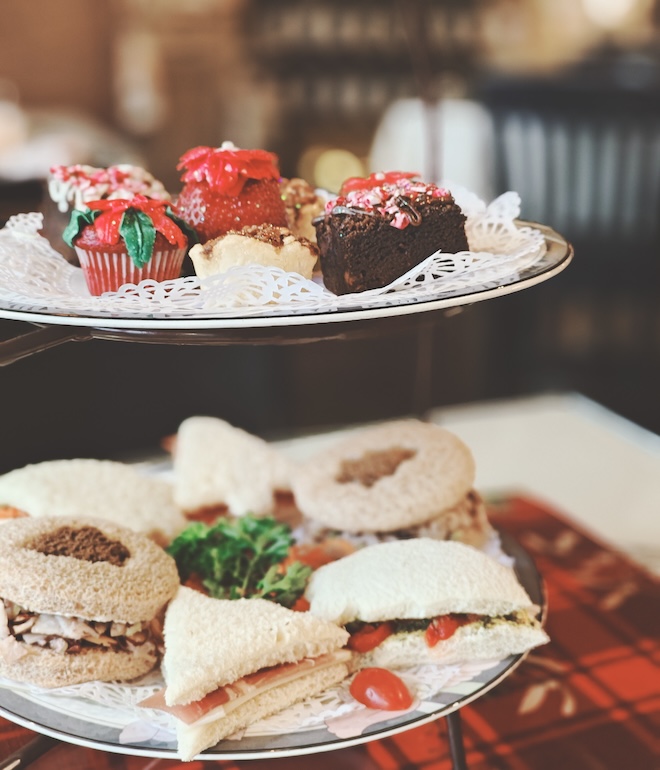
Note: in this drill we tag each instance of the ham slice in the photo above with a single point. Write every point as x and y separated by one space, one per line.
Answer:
227 698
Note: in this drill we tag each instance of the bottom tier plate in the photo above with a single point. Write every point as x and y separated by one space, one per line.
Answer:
87 723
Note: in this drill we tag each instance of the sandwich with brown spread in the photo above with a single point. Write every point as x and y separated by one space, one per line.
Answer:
399 479
80 600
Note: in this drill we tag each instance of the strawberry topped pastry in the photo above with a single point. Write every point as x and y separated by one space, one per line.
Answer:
382 226
128 240
226 188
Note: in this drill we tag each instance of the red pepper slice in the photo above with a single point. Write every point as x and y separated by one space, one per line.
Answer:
369 636
444 627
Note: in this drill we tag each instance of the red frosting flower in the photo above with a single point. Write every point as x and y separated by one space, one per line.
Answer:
136 221
108 222
226 169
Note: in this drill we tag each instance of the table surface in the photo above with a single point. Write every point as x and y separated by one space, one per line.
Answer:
579 488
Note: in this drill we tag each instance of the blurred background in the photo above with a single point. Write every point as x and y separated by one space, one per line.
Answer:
558 100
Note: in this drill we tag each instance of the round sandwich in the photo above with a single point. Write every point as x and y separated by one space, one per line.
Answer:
80 600
104 489
397 480
421 601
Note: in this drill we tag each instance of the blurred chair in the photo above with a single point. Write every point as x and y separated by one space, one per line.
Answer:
460 131
583 150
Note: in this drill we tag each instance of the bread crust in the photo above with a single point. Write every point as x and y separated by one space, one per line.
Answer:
414 579
471 642
65 585
192 739
104 489
213 642
217 463
436 478
47 668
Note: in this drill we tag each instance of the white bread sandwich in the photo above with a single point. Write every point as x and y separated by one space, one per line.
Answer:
80 600
104 489
229 663
426 601
220 467
400 479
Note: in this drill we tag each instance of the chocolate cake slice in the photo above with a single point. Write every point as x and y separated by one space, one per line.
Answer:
370 236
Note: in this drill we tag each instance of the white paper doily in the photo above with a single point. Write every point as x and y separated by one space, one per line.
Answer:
36 278
116 705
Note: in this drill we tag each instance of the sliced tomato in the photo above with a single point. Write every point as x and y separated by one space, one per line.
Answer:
195 581
9 512
445 626
318 554
378 688
369 637
300 605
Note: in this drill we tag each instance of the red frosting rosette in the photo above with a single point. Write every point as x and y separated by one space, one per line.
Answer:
226 169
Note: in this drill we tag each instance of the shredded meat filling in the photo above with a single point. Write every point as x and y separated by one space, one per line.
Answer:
65 634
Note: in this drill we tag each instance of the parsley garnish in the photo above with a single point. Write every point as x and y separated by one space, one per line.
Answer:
241 557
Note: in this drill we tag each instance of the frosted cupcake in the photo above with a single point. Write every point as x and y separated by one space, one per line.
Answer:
73 187
126 240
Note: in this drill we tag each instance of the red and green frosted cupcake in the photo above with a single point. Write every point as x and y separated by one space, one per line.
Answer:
226 188
127 241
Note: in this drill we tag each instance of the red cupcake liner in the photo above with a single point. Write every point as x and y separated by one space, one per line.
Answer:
107 271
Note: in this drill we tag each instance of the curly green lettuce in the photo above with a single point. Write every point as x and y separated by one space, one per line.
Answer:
241 558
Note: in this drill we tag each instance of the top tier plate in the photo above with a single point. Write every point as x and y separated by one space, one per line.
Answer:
256 304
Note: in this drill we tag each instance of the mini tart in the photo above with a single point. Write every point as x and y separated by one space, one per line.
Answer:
133 591
265 245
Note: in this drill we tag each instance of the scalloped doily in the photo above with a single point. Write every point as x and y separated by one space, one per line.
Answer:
36 278
115 705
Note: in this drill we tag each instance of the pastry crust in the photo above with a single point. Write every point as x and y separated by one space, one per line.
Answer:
265 245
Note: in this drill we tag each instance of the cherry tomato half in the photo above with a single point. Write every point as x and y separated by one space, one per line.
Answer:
379 688
369 637
442 627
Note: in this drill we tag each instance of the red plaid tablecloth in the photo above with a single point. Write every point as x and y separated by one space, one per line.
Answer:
589 700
